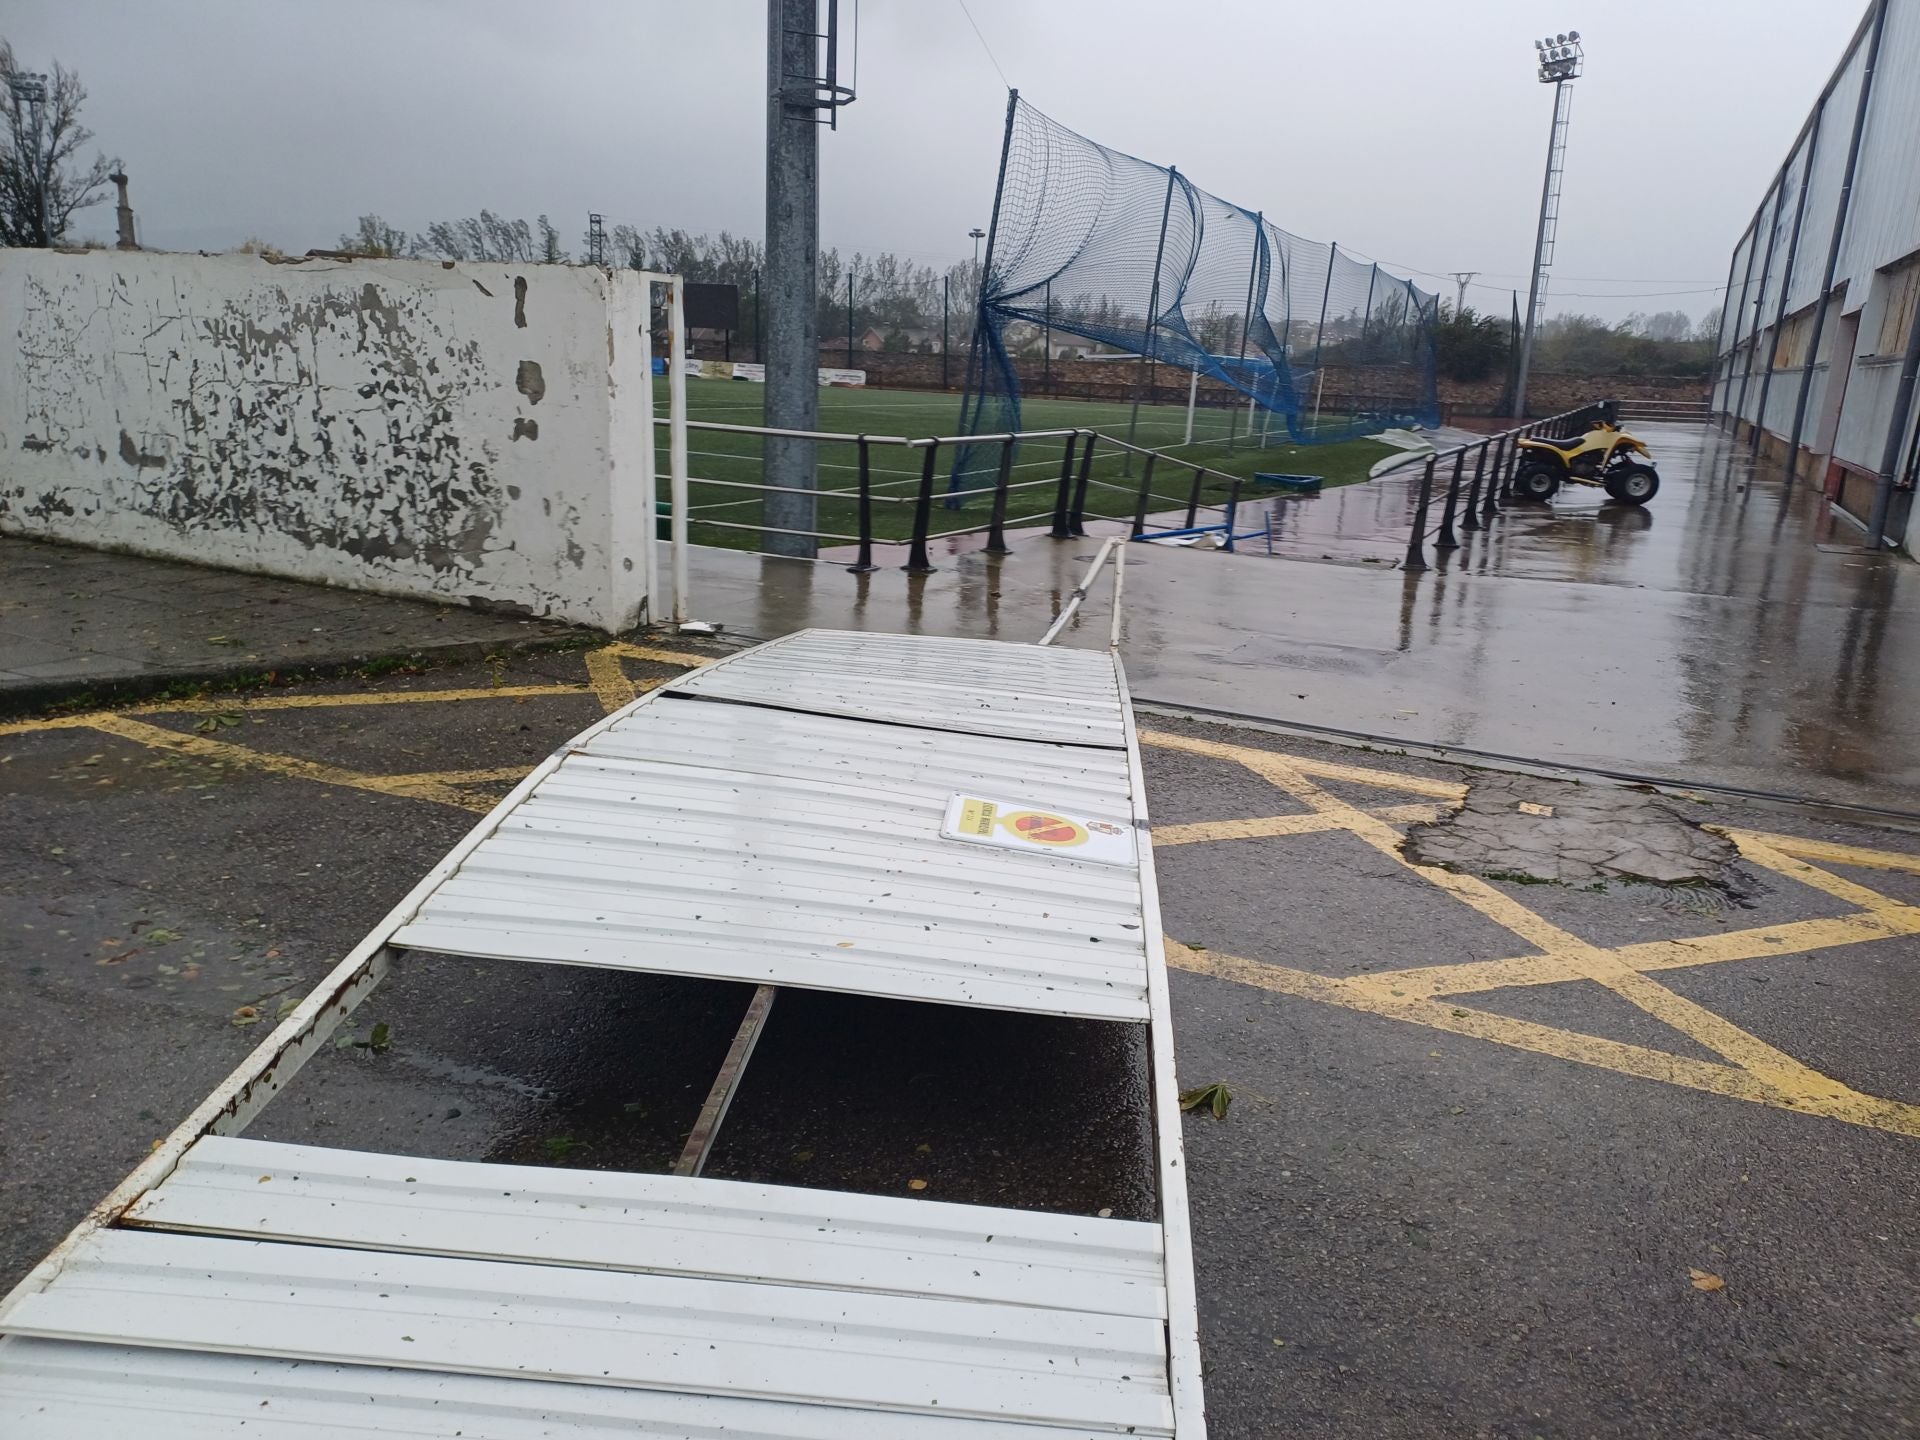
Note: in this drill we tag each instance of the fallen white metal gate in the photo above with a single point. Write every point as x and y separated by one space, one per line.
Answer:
783 817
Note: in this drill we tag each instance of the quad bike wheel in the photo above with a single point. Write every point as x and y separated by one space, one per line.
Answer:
1536 482
1633 484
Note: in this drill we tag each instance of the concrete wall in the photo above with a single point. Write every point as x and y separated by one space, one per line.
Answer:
473 433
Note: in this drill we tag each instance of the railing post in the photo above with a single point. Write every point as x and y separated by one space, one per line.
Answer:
1470 516
1140 500
1416 554
1063 497
1490 507
918 562
865 562
1233 511
1447 539
997 521
1077 519
1193 496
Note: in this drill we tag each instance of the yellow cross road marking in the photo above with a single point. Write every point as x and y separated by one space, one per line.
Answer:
1755 1070
1276 825
413 788
609 678
250 704
1748 1069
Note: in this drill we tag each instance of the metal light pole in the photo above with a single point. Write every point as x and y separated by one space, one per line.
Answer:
32 89
797 93
976 235
1561 60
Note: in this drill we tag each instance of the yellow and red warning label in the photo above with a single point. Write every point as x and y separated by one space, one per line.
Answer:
1013 825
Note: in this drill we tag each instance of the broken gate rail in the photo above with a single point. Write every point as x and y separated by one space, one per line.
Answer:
1475 500
1063 491
774 818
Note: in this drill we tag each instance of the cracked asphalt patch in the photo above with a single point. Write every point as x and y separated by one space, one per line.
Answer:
1482 1130
1527 828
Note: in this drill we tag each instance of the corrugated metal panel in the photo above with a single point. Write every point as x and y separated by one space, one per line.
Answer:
979 687
767 868
1885 224
666 1224
1823 193
894 758
886 1352
1866 413
62 1390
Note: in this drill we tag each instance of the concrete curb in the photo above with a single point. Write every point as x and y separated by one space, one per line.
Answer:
39 696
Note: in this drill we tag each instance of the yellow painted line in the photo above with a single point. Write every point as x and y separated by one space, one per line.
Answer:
1833 1100
1761 853
608 676
1784 1077
237 704
1323 769
467 777
408 787
1265 825
241 704
1798 937
52 722
1826 850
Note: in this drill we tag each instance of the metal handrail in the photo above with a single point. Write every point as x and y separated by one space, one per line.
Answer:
1498 478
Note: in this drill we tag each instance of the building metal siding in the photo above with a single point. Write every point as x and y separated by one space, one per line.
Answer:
1880 229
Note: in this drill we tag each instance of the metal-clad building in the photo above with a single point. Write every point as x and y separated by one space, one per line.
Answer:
1829 267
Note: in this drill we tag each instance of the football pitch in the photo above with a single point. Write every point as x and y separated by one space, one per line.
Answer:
718 462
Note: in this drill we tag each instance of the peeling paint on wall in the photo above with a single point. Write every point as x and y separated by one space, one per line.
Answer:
347 422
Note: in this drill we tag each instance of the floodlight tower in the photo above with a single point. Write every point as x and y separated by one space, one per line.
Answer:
1560 59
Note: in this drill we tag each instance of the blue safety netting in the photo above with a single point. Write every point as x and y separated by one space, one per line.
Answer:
1135 257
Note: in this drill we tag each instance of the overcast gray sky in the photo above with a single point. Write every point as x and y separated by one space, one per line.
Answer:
1411 131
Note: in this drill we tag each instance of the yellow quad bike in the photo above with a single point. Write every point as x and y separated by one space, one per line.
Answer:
1606 457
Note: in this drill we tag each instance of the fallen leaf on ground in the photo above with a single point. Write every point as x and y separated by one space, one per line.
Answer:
916 1184
1215 1097
247 1015
1702 1280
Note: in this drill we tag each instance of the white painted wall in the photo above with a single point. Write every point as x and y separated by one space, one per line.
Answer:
471 433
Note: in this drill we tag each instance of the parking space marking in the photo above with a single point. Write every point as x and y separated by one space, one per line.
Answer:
1749 1068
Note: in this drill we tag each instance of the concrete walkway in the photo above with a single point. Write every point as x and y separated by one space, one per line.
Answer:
1731 632
76 621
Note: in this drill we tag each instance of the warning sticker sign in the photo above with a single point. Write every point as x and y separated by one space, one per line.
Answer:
1012 825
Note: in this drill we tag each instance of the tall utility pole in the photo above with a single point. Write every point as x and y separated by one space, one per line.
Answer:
1561 61
797 91
1462 279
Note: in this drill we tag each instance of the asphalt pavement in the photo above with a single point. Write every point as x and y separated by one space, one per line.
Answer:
1515 1148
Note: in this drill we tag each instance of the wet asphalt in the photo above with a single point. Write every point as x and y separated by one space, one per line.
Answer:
1399 1231
1731 631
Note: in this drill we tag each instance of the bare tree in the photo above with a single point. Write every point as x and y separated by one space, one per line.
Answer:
41 183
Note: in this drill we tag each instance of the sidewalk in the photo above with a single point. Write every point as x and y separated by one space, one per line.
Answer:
1729 633
76 622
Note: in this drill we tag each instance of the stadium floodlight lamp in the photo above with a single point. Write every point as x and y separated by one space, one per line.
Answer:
1560 40
1573 36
